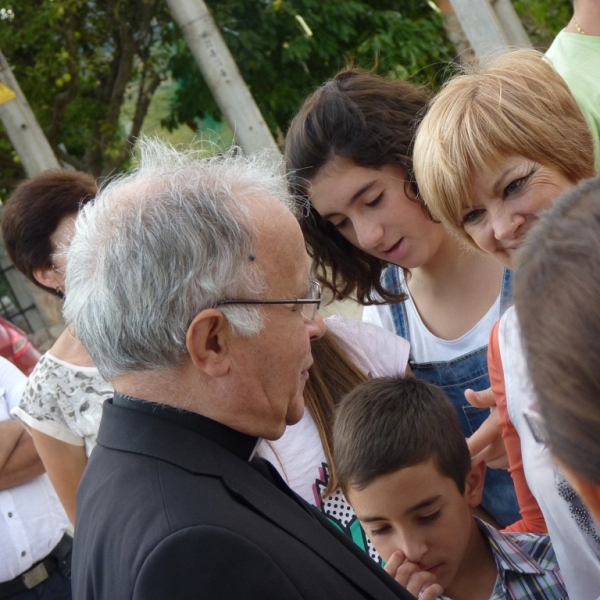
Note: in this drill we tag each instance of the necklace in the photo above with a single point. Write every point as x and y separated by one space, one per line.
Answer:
579 30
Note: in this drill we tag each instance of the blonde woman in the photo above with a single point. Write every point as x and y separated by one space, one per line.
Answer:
496 148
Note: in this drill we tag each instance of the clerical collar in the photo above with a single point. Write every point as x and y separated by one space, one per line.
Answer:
240 444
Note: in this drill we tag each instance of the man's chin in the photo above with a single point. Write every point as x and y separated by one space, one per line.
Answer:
296 412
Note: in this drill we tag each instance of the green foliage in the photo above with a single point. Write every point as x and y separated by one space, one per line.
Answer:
77 61
285 48
543 19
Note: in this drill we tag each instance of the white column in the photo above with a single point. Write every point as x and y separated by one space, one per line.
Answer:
222 75
22 127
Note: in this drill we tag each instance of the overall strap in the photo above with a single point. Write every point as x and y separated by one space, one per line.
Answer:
392 282
506 291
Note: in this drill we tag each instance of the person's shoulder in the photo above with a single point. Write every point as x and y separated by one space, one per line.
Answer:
226 563
556 47
509 336
220 562
196 560
509 317
352 331
375 349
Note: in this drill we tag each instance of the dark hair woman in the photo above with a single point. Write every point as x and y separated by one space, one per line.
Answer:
62 402
349 155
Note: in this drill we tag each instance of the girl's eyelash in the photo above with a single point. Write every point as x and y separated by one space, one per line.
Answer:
379 531
376 201
341 224
371 204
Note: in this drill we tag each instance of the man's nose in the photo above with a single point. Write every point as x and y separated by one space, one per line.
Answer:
316 328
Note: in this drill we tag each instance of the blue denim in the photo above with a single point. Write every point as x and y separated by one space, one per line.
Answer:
454 377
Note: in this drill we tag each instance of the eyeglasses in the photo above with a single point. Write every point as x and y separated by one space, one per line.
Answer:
311 303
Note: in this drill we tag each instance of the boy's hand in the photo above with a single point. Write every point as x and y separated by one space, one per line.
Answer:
420 584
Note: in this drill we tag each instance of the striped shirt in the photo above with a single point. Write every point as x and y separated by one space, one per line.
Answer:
527 567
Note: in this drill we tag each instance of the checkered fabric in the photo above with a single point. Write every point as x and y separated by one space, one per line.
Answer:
527 567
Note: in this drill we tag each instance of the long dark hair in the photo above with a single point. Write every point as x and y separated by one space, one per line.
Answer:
370 121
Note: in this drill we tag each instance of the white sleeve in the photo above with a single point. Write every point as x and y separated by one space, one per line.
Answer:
381 353
379 315
12 382
40 405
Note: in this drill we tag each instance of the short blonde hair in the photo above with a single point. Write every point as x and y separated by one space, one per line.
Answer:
519 105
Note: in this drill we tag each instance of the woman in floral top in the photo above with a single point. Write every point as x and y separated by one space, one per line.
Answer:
62 403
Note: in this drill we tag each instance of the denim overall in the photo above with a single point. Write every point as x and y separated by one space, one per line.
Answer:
454 377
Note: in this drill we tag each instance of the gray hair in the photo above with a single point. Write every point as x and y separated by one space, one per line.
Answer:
159 245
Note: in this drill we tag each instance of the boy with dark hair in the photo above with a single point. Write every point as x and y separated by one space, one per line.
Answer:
404 466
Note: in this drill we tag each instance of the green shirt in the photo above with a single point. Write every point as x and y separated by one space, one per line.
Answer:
576 57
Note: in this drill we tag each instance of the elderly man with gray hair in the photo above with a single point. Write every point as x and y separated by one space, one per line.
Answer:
187 282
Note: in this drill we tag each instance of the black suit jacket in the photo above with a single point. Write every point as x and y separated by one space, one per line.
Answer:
165 513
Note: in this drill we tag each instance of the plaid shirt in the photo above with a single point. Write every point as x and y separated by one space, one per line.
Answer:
527 567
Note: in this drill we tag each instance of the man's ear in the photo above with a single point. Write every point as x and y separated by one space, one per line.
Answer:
207 342
475 481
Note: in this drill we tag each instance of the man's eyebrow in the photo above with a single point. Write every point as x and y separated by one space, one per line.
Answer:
420 506
355 197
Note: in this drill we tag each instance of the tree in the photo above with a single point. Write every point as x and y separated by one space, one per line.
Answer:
285 48
543 19
77 61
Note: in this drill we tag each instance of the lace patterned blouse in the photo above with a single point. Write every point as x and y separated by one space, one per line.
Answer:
64 401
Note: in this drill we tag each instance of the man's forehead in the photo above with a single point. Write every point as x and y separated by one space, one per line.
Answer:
274 222
263 205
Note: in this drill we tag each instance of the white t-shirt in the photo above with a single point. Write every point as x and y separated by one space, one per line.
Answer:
298 455
574 535
32 519
426 347
64 401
